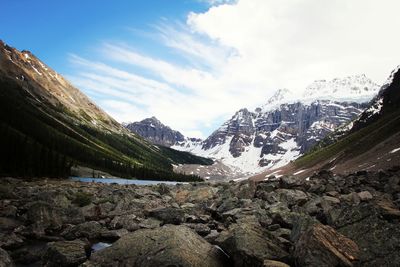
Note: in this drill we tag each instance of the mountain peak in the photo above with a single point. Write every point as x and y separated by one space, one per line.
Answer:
27 70
356 88
280 96
156 132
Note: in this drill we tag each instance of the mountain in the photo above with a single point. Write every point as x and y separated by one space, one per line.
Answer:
154 131
370 143
286 127
47 126
357 88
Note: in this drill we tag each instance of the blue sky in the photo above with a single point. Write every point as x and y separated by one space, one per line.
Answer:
193 63
53 29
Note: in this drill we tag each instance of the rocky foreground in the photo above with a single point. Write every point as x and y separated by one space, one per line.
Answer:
325 220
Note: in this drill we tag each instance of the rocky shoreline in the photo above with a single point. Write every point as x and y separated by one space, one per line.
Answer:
326 220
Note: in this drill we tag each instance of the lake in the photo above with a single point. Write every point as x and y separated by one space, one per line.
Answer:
122 181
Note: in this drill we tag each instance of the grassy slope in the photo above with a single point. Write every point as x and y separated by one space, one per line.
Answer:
355 143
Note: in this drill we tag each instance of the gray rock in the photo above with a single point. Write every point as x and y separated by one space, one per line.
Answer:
168 215
150 223
65 253
90 230
365 196
271 263
5 259
199 228
129 222
165 246
43 217
322 246
250 245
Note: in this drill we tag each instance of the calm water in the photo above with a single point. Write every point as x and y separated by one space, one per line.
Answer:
121 181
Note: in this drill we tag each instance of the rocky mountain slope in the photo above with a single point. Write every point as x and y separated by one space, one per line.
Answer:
154 131
327 220
371 142
285 127
47 125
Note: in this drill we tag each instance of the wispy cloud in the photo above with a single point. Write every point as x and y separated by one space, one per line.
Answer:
236 55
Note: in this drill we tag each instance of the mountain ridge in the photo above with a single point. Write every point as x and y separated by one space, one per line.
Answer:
46 122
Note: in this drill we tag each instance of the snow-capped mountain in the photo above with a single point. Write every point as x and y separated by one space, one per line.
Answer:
357 88
285 127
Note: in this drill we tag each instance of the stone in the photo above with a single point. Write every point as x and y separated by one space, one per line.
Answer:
388 209
128 222
90 230
289 182
5 259
10 240
150 223
377 237
321 245
212 236
273 227
8 224
65 253
169 245
271 263
301 224
199 228
43 217
250 245
365 195
168 215
113 234
292 196
245 189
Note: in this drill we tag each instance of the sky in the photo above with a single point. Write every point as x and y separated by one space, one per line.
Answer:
194 63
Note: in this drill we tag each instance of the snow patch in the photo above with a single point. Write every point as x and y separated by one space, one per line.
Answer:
298 172
394 150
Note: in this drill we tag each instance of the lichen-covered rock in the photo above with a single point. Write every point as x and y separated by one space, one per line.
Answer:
5 259
321 245
168 215
271 263
169 245
249 245
65 253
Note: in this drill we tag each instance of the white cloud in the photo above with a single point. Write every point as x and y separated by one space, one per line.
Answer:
236 55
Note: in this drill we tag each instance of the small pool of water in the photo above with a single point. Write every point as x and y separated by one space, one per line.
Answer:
100 246
122 181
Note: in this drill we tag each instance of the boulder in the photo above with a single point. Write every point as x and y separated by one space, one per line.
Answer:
150 223
377 236
201 229
271 263
321 245
65 253
128 222
290 182
292 196
168 215
365 196
249 245
43 217
169 245
245 189
113 234
5 259
90 230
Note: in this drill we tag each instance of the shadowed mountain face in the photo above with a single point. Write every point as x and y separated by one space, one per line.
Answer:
47 125
154 131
